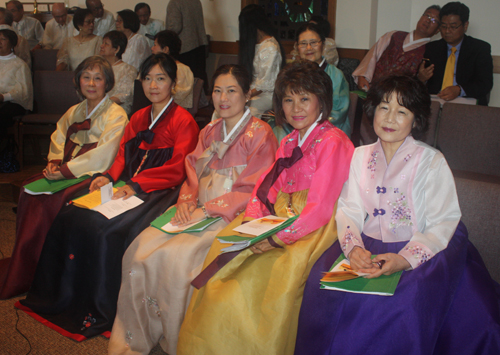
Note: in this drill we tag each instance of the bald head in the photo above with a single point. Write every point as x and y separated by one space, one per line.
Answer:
59 13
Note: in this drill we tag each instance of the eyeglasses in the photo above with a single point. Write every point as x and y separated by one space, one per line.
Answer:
445 27
432 19
313 44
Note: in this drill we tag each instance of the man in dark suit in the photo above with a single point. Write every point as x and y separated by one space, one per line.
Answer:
459 64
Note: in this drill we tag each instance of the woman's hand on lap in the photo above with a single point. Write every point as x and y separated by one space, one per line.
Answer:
124 191
261 247
52 172
392 263
183 214
98 183
360 258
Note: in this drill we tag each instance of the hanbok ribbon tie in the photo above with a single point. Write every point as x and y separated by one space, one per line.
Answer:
69 145
274 173
216 147
379 212
146 136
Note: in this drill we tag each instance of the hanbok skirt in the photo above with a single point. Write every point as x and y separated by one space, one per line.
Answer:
156 288
77 279
448 305
251 305
35 215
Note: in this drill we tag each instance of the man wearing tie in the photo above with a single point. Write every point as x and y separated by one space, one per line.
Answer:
459 64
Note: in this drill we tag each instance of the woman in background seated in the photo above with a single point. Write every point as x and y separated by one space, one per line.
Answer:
16 90
85 142
169 42
310 43
400 204
86 44
260 52
113 45
222 171
138 49
251 305
77 281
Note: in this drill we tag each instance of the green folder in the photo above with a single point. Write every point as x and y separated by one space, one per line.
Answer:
383 285
44 186
169 214
241 242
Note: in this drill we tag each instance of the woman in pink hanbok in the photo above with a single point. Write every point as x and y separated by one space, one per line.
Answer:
157 269
251 305
400 204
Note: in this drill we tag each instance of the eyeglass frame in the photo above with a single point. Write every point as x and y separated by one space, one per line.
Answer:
432 19
445 27
313 44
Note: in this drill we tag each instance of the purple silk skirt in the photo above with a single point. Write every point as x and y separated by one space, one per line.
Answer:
449 305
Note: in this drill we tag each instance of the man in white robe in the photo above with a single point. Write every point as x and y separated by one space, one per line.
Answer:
103 19
149 26
26 26
58 28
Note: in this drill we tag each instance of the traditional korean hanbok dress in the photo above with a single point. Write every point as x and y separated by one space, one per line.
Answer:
159 267
445 304
84 143
77 280
251 305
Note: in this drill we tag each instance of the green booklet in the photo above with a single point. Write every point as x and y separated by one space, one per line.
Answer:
44 186
163 223
242 241
383 285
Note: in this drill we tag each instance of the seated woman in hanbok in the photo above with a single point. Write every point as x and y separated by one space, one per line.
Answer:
77 280
310 43
113 45
232 153
85 44
401 205
169 42
16 89
85 142
127 21
251 305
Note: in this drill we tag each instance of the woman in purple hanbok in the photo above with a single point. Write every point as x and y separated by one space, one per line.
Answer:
400 204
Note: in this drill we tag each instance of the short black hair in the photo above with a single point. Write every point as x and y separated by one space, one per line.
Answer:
303 76
16 3
310 27
79 17
118 39
11 36
166 63
238 71
171 40
140 6
323 25
455 8
411 93
8 18
90 62
130 20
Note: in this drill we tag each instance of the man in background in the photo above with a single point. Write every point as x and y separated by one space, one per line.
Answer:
149 27
185 17
103 19
397 51
459 64
28 27
58 28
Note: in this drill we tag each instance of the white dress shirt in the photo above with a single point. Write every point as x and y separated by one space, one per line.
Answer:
55 33
151 28
31 29
104 24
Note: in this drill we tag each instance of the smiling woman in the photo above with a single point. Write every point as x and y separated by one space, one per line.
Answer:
89 247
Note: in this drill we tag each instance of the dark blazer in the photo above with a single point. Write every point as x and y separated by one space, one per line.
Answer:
474 68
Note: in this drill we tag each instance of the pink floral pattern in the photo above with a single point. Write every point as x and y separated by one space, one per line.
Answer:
372 163
152 303
418 253
400 213
349 238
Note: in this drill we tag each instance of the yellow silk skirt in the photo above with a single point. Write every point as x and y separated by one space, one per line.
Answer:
251 305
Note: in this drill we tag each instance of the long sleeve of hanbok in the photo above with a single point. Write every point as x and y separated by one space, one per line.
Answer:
442 214
267 65
332 164
367 66
184 86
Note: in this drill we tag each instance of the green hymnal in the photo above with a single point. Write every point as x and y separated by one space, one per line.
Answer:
44 186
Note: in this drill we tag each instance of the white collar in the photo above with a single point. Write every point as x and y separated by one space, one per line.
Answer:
313 126
227 136
322 62
8 56
411 42
95 108
154 120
